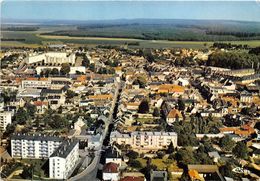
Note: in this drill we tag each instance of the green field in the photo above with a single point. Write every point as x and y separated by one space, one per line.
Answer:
36 38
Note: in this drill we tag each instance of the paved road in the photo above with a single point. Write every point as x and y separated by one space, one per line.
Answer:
90 173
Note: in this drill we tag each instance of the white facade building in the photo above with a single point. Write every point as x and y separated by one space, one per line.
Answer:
5 119
64 160
63 154
145 140
36 84
53 58
34 146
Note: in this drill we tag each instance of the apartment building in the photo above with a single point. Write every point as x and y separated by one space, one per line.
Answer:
145 140
5 119
64 160
34 146
51 58
42 83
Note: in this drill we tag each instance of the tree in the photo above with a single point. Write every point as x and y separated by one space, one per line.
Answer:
132 154
135 163
85 61
27 172
70 94
10 128
54 71
65 69
92 67
45 72
31 109
143 107
181 105
226 170
57 122
156 112
141 81
226 143
170 148
240 150
185 176
185 156
21 116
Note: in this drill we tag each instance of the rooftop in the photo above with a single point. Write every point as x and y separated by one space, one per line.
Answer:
65 148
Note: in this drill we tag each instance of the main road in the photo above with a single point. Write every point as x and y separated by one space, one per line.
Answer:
90 173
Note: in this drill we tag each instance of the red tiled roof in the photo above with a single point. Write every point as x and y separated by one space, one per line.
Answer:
129 178
40 103
110 168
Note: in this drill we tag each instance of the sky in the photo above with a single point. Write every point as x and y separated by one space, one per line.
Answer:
110 10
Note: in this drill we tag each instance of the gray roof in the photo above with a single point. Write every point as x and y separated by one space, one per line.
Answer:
51 91
65 148
38 137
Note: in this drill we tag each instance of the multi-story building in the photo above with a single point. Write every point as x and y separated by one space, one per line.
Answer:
145 140
5 119
63 154
42 83
64 160
34 146
51 58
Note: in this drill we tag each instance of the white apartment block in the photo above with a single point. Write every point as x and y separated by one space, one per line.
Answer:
5 119
64 160
34 146
53 58
145 140
41 84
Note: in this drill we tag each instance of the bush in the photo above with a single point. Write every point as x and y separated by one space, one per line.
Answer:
135 163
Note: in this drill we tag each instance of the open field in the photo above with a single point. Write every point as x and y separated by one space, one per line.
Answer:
33 39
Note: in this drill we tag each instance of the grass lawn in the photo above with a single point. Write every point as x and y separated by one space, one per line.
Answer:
161 164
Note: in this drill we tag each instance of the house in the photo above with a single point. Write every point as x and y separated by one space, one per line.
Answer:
132 106
111 172
214 155
256 153
194 175
79 124
94 141
112 155
183 82
158 175
41 106
31 82
204 172
133 178
174 115
246 97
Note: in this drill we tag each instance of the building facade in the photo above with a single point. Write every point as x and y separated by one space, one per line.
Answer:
53 58
5 119
64 160
145 140
34 146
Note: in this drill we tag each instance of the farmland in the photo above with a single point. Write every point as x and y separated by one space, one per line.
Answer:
140 34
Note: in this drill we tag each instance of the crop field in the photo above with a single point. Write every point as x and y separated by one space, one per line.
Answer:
41 37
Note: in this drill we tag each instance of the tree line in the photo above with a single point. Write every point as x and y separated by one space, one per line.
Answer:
233 60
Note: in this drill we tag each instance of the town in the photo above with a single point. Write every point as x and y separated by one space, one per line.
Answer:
126 114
